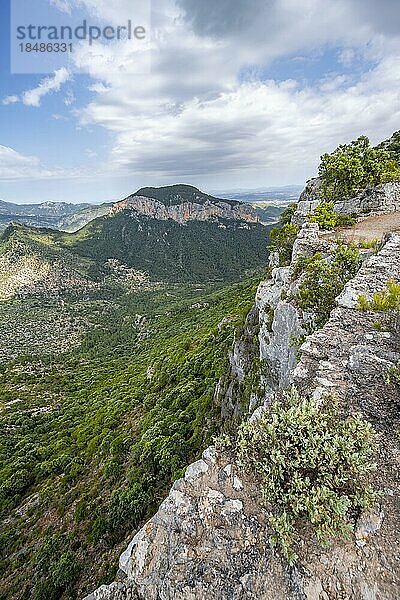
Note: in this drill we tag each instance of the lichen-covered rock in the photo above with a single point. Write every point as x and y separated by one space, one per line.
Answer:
378 268
309 199
115 591
282 323
348 353
208 540
308 242
348 358
241 360
382 199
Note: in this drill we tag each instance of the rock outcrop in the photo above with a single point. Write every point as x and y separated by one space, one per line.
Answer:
309 200
187 211
209 539
379 200
241 360
382 199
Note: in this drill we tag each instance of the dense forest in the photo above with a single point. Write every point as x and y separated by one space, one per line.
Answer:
92 438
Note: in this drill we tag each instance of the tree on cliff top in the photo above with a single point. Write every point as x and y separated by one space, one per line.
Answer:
354 167
392 145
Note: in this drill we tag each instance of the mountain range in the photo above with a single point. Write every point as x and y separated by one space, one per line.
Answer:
46 214
71 217
171 234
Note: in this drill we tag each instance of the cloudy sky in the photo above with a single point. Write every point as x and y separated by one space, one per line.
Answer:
223 94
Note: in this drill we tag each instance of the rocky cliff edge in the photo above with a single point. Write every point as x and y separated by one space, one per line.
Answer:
209 539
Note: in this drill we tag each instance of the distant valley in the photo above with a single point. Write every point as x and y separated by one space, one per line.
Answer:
269 202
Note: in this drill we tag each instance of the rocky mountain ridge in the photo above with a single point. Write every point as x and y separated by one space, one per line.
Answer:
188 205
181 193
181 203
193 242
49 209
209 538
56 215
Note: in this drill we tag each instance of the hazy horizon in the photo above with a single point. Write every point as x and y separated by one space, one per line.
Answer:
227 192
225 95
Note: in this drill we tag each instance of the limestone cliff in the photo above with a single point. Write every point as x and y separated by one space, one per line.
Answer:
187 211
209 539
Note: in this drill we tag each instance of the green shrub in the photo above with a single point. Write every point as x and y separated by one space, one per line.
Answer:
392 375
270 314
287 215
311 465
282 240
369 244
325 216
385 301
353 167
127 506
296 342
324 281
56 569
63 571
392 145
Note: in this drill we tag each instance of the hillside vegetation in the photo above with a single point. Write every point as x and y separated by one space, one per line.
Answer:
176 194
112 342
220 250
92 438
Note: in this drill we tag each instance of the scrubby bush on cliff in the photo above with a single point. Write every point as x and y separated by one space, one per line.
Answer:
353 167
282 240
392 145
286 216
392 374
284 235
325 216
312 467
385 301
323 281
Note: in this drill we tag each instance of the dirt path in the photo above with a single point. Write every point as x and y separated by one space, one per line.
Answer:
371 228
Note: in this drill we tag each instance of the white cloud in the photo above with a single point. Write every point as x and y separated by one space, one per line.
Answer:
58 117
192 117
178 108
62 5
277 130
10 100
69 99
119 11
14 165
46 86
346 56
